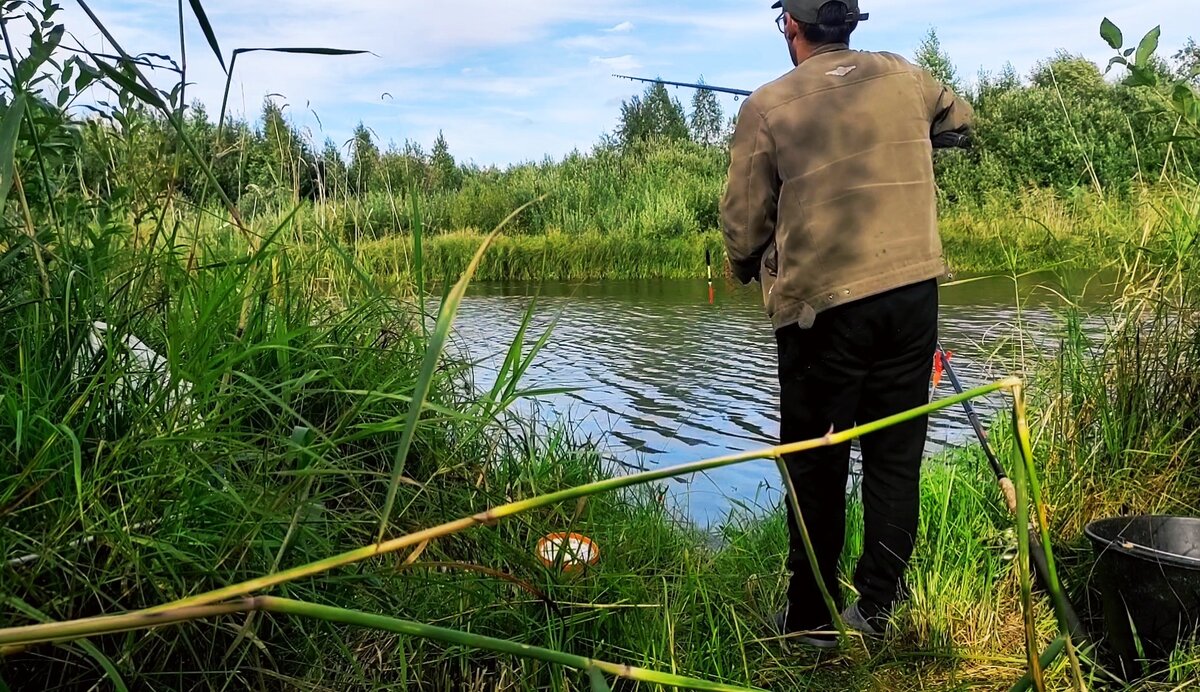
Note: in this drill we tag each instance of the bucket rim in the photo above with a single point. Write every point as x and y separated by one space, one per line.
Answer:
1138 550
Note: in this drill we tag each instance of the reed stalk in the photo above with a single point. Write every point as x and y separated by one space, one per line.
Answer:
109 624
1023 563
1053 584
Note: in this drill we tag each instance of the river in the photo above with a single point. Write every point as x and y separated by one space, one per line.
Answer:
661 377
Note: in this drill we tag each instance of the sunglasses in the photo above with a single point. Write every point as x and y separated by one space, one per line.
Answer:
781 21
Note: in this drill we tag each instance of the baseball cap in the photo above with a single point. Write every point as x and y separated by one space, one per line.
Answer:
806 10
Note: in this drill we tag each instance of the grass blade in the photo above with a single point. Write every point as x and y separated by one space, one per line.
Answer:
142 93
433 353
10 127
133 621
305 51
206 27
88 647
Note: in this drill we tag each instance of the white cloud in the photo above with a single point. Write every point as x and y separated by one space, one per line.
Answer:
623 27
621 63
592 43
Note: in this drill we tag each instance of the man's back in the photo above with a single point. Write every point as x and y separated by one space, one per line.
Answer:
843 143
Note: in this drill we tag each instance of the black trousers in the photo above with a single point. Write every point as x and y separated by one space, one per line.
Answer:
859 362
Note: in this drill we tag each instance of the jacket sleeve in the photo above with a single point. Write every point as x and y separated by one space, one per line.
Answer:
751 195
951 118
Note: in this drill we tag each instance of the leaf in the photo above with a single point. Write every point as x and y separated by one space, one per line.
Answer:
1182 95
307 51
76 467
433 351
10 127
1140 77
1110 33
599 684
87 75
1115 61
128 84
209 34
1147 47
1128 52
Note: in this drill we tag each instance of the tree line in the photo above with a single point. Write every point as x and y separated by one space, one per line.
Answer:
1064 126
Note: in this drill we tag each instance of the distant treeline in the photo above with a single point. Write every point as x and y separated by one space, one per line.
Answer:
1063 127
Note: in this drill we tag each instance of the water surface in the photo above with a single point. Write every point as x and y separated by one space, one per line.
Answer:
662 377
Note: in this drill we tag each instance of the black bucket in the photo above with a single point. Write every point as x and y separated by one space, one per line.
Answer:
1148 573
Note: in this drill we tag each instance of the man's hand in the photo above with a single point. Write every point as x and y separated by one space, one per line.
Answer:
952 140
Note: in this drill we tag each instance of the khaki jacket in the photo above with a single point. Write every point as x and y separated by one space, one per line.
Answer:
831 195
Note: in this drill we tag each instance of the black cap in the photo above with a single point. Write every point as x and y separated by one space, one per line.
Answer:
807 10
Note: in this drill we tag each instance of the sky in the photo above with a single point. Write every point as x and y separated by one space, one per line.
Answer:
518 80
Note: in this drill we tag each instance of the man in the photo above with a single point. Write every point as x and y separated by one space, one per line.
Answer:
831 205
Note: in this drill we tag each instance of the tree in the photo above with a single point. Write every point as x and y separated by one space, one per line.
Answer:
654 115
708 120
364 161
331 171
1187 62
442 169
936 62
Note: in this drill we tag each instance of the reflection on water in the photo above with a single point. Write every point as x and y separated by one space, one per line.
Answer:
664 378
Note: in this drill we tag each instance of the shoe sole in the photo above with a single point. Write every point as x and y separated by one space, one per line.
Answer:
818 643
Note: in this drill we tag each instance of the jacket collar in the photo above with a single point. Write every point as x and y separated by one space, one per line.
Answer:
830 48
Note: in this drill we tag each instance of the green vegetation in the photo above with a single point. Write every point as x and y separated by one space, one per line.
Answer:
1063 157
300 410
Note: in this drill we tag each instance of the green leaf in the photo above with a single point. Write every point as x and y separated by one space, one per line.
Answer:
599 684
1115 61
206 27
130 85
1140 77
10 127
1110 33
1182 95
1147 47
433 352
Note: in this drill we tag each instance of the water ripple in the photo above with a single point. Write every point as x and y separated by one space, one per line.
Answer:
666 378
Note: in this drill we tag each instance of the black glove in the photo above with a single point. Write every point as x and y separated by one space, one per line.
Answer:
952 140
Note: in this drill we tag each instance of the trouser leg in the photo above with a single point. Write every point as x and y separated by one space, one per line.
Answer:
898 381
820 376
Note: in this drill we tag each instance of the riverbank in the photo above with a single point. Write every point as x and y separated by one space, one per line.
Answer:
1037 230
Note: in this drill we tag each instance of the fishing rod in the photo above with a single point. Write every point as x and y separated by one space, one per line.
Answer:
689 85
1037 553
944 140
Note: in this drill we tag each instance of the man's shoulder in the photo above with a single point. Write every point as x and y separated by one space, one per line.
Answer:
813 75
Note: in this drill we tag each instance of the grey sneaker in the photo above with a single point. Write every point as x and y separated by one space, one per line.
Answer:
854 619
818 639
